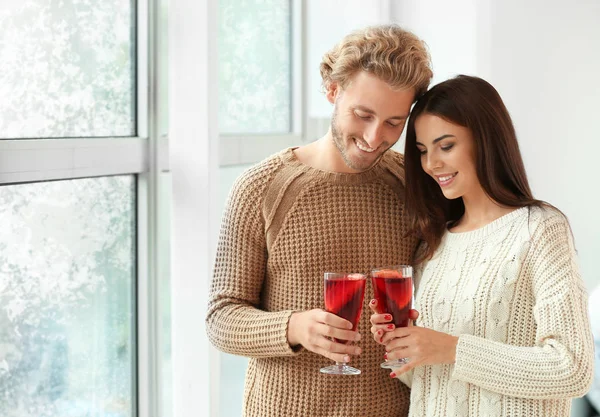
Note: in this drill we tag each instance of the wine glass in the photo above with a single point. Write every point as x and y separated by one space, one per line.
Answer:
344 295
393 288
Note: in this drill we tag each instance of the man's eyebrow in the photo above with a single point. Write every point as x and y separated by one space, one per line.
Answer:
368 110
436 140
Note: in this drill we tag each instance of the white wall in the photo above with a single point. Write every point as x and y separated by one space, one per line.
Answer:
449 28
546 64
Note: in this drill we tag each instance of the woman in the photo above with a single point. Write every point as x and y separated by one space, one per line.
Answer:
503 327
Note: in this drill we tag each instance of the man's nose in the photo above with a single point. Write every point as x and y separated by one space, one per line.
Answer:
374 135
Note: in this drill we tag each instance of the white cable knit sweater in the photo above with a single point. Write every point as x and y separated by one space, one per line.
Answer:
512 293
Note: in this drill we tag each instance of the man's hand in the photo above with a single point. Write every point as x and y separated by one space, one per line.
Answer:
314 330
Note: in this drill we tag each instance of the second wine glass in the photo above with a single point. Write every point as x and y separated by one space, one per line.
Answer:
393 288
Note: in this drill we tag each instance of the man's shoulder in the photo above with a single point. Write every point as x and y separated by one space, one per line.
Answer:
395 157
393 162
259 175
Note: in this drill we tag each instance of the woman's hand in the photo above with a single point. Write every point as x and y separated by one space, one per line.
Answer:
420 346
382 322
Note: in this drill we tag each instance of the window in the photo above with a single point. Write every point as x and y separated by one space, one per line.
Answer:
80 125
67 285
67 70
260 75
255 67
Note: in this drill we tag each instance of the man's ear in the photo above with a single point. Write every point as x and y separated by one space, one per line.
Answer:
333 90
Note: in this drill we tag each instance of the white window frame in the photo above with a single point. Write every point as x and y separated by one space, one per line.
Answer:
240 149
194 166
145 156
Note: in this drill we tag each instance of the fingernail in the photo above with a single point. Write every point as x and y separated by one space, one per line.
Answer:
357 351
346 359
357 337
393 375
349 326
387 317
385 356
390 326
372 302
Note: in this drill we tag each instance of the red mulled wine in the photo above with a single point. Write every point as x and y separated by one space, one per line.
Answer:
344 297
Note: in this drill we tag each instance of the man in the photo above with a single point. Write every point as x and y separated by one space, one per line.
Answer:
333 205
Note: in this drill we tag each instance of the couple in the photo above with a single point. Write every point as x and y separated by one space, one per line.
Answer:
503 325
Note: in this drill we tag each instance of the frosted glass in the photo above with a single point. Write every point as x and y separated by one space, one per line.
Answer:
254 66
67 281
67 68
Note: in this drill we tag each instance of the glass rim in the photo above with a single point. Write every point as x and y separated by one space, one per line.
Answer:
401 268
344 275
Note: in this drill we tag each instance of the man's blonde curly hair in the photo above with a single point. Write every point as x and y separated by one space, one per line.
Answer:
389 52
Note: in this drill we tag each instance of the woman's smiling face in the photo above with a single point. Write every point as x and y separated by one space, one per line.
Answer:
447 155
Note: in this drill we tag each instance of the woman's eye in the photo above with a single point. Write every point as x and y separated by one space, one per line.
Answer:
447 147
422 151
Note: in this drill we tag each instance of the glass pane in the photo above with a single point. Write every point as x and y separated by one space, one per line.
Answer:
254 66
67 68
67 277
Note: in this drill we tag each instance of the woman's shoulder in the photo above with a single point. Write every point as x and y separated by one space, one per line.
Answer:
546 224
546 215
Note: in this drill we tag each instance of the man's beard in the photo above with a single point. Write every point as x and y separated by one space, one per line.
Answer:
338 139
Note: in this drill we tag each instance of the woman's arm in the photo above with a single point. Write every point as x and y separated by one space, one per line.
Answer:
561 363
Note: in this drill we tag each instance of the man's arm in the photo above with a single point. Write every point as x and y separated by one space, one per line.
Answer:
235 323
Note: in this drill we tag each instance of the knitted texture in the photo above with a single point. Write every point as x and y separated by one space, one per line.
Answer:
512 293
284 226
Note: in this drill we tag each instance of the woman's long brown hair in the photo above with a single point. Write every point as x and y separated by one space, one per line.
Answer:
473 103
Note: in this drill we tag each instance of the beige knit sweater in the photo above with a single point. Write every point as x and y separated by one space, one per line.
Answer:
284 226
512 293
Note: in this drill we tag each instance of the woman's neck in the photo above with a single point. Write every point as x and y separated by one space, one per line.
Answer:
480 210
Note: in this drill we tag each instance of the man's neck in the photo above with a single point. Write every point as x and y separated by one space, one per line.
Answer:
323 154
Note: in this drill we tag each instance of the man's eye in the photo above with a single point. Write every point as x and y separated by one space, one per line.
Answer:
363 116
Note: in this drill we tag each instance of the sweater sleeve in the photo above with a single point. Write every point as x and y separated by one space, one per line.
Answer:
560 365
235 322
